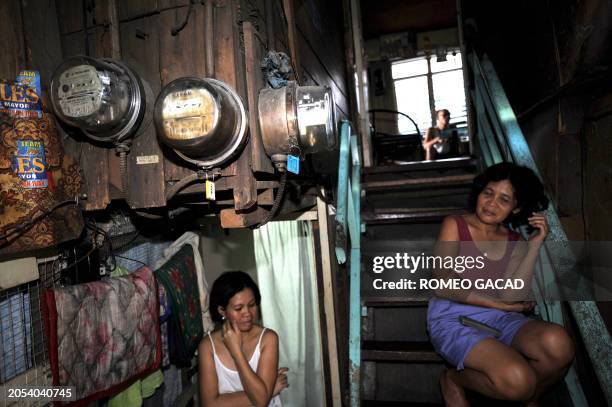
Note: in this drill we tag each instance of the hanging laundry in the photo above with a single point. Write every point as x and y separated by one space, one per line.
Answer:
177 276
114 325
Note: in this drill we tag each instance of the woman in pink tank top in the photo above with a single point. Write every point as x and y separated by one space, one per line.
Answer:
519 358
238 361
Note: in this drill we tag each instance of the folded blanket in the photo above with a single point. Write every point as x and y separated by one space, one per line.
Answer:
103 335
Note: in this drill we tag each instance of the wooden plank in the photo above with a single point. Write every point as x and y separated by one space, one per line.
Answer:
12 44
229 68
328 302
70 14
419 182
254 83
231 219
94 163
140 49
42 39
312 65
133 8
292 38
320 26
388 351
181 55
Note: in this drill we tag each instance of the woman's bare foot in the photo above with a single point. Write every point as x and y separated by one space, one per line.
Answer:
453 394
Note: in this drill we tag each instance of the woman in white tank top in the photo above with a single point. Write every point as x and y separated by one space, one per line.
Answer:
238 361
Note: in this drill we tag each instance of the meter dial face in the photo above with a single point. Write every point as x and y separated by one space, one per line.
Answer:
80 91
188 114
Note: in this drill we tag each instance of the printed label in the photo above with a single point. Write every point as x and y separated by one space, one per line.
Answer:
210 190
147 159
293 164
30 165
22 98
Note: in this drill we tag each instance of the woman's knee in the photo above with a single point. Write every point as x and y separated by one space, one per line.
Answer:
515 381
557 345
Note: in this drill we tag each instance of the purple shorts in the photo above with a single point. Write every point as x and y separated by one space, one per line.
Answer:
454 341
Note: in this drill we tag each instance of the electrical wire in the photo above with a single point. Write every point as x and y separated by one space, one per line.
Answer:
21 229
401 114
196 176
180 27
277 200
127 258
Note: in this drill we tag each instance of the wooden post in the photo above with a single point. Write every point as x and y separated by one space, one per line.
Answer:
329 306
291 32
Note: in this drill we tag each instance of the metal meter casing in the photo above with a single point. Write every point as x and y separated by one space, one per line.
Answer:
103 97
203 120
296 120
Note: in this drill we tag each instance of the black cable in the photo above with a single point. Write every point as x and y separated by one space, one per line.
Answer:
401 114
277 200
180 27
86 255
127 258
21 229
174 189
129 242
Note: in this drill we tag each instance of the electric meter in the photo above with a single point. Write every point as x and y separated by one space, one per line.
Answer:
296 120
102 97
203 120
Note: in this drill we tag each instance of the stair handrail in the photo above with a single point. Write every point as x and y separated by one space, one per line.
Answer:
501 139
348 208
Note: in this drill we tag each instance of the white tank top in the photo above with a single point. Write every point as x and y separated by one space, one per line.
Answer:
229 380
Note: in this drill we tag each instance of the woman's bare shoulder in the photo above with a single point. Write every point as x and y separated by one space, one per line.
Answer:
269 337
205 343
449 230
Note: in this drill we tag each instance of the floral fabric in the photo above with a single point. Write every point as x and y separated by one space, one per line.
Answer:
179 278
103 335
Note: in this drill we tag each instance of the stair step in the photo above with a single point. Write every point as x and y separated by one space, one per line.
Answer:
403 215
384 403
387 351
460 162
421 182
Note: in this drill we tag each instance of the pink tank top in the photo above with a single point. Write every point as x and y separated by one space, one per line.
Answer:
493 268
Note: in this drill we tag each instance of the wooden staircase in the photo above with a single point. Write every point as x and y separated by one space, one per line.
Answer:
402 208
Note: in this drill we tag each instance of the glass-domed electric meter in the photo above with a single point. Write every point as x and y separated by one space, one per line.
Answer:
102 97
203 120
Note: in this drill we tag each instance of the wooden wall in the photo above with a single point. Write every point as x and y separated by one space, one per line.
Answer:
139 33
41 33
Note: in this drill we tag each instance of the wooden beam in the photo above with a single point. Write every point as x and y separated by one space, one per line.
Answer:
291 31
231 219
329 305
254 83
363 127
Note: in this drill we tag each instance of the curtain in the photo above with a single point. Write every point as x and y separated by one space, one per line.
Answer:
286 272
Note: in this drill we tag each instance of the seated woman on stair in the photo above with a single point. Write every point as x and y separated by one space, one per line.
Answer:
525 356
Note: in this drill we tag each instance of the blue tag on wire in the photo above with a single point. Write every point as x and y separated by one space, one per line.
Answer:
293 164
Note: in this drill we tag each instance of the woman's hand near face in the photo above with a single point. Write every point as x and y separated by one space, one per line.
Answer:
232 338
538 221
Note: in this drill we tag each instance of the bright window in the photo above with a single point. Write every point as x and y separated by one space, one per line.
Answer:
412 91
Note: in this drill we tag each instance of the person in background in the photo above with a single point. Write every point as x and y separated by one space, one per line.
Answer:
238 361
434 145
